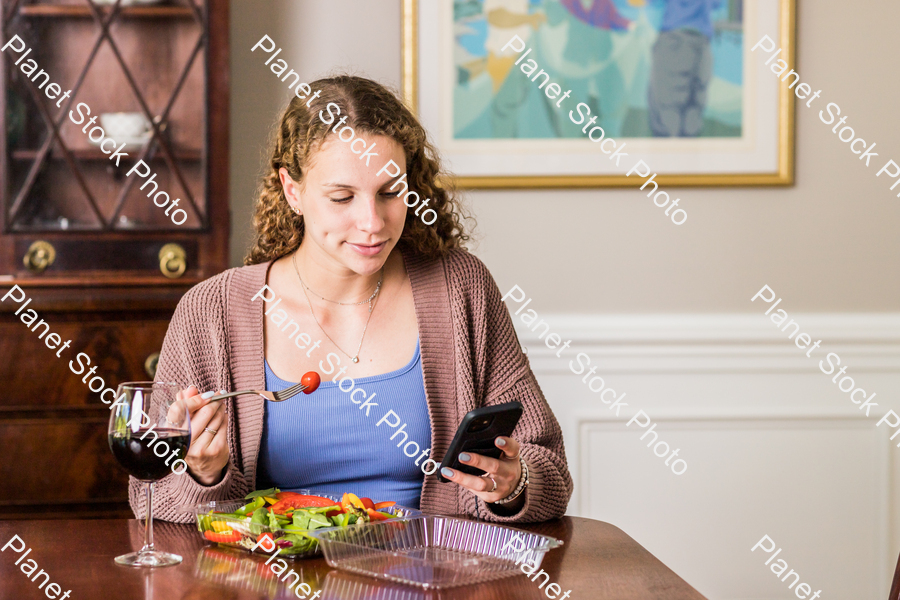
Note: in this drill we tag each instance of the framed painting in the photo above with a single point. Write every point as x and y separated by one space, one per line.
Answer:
537 93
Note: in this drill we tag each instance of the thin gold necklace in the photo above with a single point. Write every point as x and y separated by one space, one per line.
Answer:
371 300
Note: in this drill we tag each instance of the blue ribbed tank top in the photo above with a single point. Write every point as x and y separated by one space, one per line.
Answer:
326 443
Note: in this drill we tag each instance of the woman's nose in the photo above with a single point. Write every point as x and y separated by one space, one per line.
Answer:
369 218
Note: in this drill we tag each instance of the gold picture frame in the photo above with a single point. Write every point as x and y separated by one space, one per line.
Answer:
781 175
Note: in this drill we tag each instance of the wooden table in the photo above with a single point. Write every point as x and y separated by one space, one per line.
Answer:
598 561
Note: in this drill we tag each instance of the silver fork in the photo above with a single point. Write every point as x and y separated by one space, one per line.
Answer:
270 396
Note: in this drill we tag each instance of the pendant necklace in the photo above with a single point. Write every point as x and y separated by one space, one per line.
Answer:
371 301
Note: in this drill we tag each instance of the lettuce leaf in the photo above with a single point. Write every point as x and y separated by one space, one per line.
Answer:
257 493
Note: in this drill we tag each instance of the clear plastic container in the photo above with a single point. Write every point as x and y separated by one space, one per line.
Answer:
433 552
250 533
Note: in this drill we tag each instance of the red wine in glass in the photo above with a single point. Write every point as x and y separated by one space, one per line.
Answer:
149 435
150 454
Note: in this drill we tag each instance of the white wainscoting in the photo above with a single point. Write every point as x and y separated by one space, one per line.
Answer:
773 446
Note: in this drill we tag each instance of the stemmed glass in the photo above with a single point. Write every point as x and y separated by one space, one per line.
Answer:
149 434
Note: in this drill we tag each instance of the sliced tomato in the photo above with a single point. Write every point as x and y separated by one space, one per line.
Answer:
367 503
265 535
317 500
299 501
224 537
280 507
313 501
381 505
377 516
283 495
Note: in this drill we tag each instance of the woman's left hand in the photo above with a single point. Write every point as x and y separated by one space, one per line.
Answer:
506 471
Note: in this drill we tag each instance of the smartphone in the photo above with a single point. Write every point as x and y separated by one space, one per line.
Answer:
476 434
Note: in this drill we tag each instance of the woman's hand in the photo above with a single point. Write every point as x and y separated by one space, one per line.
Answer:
208 453
506 472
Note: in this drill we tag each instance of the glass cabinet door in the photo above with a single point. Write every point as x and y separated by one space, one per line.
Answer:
105 116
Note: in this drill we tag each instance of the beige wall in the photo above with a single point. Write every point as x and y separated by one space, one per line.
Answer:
827 244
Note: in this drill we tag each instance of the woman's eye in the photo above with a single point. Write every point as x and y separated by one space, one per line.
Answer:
391 194
341 200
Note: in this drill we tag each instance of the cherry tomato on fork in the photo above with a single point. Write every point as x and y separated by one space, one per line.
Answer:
311 380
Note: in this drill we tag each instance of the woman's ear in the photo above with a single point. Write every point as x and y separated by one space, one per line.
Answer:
291 190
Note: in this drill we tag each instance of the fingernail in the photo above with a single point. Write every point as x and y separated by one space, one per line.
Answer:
463 456
207 395
501 442
448 473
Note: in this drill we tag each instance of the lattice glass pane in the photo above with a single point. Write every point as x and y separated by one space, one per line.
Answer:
146 68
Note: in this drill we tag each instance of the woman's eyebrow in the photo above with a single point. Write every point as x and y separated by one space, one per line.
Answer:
348 186
392 181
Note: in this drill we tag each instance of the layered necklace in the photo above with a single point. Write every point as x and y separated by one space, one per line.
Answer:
370 300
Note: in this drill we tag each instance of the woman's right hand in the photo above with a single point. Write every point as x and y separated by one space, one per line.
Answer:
208 454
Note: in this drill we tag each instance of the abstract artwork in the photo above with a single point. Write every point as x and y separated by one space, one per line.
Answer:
673 78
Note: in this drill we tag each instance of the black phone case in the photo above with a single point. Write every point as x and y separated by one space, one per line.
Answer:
505 417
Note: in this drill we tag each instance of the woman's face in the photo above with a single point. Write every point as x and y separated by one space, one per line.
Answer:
352 217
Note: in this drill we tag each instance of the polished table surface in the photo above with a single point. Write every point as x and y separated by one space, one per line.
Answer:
597 561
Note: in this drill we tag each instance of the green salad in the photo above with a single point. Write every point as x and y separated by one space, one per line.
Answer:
273 520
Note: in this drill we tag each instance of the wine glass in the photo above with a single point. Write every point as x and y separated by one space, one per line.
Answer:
149 434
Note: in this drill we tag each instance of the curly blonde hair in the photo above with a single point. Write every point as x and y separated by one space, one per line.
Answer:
370 109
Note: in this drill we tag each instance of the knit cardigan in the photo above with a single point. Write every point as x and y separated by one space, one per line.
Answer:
471 357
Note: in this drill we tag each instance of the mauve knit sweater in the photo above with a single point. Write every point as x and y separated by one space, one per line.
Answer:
471 357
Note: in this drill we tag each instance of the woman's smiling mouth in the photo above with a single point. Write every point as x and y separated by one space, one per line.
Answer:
368 249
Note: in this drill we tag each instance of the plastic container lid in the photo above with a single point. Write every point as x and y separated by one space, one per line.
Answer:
433 551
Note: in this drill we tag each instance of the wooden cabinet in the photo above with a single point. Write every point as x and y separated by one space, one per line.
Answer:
141 101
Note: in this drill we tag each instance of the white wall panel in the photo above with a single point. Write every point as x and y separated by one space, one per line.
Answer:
803 482
773 447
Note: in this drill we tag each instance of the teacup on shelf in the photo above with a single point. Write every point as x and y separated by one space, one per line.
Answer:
129 128
125 125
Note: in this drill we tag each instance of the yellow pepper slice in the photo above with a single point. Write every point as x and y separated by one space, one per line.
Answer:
354 500
221 527
270 500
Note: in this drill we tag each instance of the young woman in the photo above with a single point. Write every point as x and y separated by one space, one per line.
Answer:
406 328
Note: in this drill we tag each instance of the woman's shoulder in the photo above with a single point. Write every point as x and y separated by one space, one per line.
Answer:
463 275
461 260
468 273
213 293
458 263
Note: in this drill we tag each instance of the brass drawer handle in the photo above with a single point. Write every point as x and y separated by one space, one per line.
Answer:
151 363
172 261
39 256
